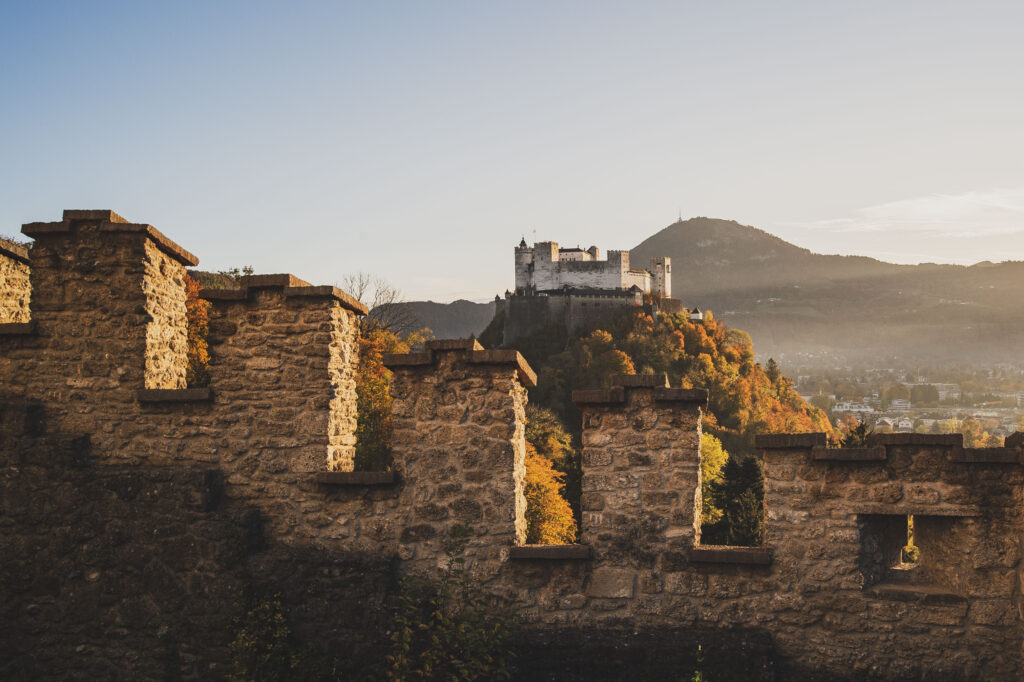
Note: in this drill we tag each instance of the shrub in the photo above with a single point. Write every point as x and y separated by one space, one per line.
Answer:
451 629
262 650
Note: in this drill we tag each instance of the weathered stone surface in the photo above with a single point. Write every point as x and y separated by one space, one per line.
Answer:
125 517
15 288
612 583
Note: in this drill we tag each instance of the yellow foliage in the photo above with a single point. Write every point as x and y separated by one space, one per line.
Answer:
712 461
373 398
197 314
549 517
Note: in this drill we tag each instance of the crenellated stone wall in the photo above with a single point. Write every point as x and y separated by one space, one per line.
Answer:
288 352
836 520
134 510
15 288
459 441
641 479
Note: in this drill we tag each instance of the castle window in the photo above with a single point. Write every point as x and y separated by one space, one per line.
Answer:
887 552
911 556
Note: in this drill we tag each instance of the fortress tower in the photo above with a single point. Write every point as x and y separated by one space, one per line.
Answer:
574 288
544 267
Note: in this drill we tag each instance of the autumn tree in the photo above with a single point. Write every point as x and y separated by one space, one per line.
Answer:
588 362
549 518
740 494
823 402
745 399
712 464
895 392
197 315
856 435
388 308
378 335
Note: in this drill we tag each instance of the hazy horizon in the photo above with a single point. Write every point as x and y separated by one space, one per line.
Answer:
421 142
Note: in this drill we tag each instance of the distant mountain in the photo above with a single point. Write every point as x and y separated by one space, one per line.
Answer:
796 303
457 320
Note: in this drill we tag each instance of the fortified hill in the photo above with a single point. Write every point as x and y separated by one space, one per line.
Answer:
573 289
136 511
545 268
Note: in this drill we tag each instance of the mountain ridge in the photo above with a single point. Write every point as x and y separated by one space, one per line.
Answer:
795 302
799 305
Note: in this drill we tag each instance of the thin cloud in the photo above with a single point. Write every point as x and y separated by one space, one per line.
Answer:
992 212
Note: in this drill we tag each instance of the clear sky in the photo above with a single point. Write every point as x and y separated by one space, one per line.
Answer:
420 140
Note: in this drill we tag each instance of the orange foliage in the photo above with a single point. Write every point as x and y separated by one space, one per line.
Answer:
373 399
745 399
197 313
549 518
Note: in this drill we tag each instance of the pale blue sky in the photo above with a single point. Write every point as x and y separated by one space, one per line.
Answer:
419 141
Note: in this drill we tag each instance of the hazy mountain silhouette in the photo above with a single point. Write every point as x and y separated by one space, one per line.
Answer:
457 320
794 301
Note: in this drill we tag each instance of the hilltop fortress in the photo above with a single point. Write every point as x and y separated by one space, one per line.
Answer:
545 268
137 512
569 290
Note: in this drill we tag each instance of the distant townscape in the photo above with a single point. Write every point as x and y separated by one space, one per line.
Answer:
986 405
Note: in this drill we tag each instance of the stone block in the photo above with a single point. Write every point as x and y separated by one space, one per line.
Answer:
612 583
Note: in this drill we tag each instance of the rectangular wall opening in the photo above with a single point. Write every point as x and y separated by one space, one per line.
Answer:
908 553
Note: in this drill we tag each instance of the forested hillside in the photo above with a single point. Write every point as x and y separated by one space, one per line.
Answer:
745 399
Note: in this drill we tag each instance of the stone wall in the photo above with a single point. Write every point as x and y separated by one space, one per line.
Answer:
15 289
126 572
836 521
135 510
459 447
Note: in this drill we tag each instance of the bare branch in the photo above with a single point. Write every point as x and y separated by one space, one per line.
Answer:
388 308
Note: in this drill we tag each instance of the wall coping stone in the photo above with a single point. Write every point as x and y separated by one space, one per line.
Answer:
943 439
18 328
599 396
110 222
757 556
327 291
407 359
502 357
870 454
681 395
879 451
224 294
174 395
15 251
550 552
785 441
101 214
911 509
616 395
271 281
290 286
356 478
475 355
453 344
640 380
